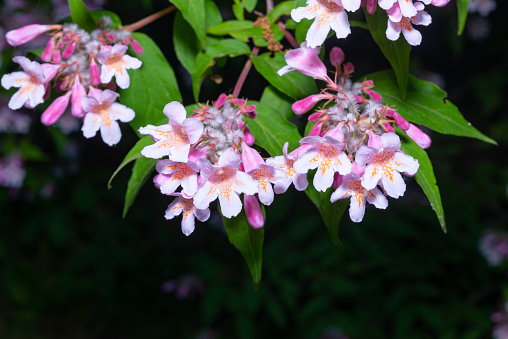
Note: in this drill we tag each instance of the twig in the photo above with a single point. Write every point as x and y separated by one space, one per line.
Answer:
149 19
243 75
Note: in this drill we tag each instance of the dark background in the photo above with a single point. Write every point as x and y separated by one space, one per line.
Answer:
71 267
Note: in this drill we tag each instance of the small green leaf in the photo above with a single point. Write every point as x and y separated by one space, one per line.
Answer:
425 178
98 15
301 30
134 153
249 5
141 171
425 104
248 241
193 12
229 47
185 42
294 84
227 27
462 6
81 16
330 213
271 130
202 66
152 86
284 8
238 11
278 101
397 52
255 32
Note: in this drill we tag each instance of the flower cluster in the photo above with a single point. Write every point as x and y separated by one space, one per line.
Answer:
209 158
332 14
353 145
80 66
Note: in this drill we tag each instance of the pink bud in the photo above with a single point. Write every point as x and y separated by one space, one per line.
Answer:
253 211
439 3
371 6
303 106
221 100
55 110
67 37
358 170
316 130
306 61
47 55
374 140
249 111
248 137
196 153
336 56
374 96
421 139
68 50
94 72
111 37
349 68
400 121
387 127
136 46
78 92
337 180
314 116
49 71
238 102
250 158
57 57
25 34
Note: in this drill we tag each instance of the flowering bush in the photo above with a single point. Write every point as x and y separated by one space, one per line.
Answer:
361 142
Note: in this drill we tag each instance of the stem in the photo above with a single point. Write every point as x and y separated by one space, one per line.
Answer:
149 19
289 37
269 6
243 75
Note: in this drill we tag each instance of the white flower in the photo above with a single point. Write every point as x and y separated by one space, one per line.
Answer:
413 37
190 211
116 63
102 112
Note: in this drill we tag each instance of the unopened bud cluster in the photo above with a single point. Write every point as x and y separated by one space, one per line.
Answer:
80 67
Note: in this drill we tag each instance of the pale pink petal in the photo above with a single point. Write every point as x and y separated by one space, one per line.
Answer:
91 124
108 96
356 208
18 100
16 79
245 184
340 193
194 129
323 178
230 205
370 179
121 112
343 165
308 161
282 187
230 159
118 49
111 134
132 63
170 185
394 185
422 18
188 222
390 141
202 215
394 13
413 37
251 158
88 103
300 181
393 31
122 79
205 195
317 33
175 111
36 96
174 209
341 25
386 4
365 154
406 163
106 74
49 71
302 13
190 185
376 198
407 8
351 5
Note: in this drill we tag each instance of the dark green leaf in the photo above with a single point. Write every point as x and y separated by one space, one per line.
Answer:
134 153
193 12
229 47
426 104
254 32
152 86
213 18
425 178
284 8
294 84
185 42
227 27
330 213
143 168
249 5
202 66
278 101
248 241
81 16
397 52
462 6
98 15
271 130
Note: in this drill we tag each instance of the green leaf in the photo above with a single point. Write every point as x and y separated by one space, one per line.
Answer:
301 30
397 52
98 15
202 66
284 8
81 16
248 241
238 11
134 153
193 12
255 32
229 47
227 27
462 6
425 104
249 5
185 42
152 86
425 177
141 171
294 84
271 130
330 213
278 101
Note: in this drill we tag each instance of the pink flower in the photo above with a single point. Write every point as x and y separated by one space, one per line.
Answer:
55 110
306 61
30 82
285 162
102 112
173 174
327 156
186 206
406 6
385 164
224 181
116 63
303 106
351 186
412 36
253 211
25 34
421 139
173 139
328 14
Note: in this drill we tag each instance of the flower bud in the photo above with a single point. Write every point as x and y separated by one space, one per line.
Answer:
250 158
47 55
95 72
136 46
421 139
439 3
55 110
221 100
336 56
303 106
57 57
78 92
68 50
25 34
253 211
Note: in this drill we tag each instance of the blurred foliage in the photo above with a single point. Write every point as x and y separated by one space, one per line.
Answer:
71 267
